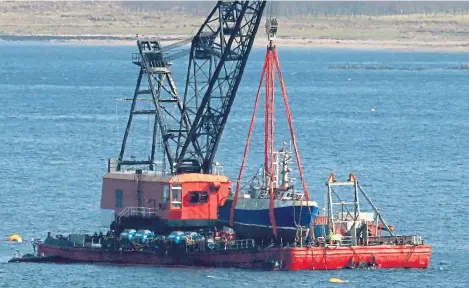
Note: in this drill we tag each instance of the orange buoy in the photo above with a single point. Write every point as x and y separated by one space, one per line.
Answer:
15 238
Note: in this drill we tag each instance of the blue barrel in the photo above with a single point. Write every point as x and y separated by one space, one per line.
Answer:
147 235
176 236
128 233
321 230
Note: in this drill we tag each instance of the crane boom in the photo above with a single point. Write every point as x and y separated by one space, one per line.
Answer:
188 128
221 47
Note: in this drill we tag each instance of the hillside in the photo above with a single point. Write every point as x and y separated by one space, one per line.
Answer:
327 25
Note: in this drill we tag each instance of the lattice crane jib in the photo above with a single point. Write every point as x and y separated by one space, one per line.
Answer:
189 126
218 57
155 84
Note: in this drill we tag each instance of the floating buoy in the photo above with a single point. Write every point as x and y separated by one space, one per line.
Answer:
15 238
337 280
372 110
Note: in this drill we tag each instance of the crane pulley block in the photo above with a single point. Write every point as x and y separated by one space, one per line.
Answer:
271 26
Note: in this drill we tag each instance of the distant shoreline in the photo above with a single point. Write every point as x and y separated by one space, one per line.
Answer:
358 26
288 42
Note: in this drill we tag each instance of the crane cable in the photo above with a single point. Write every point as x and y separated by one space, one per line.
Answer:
246 148
271 8
271 63
269 74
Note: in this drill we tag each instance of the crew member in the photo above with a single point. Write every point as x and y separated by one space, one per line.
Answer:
330 237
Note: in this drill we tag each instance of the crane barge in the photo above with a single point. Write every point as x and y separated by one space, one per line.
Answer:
157 207
186 189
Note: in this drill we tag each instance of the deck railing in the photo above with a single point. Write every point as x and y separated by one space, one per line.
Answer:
138 211
236 245
243 244
374 240
395 240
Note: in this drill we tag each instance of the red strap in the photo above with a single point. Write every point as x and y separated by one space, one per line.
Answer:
292 132
271 62
246 148
267 113
271 80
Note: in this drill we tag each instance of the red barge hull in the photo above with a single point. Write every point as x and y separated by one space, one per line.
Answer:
288 258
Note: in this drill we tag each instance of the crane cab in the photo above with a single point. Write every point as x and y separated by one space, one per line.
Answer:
162 203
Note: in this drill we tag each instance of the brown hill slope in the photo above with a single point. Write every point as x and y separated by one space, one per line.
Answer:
447 31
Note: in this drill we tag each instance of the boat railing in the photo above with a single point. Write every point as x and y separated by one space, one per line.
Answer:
237 244
138 211
342 241
395 240
245 244
144 172
136 58
346 241
373 241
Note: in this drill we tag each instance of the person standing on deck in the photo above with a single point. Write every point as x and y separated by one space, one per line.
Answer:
330 236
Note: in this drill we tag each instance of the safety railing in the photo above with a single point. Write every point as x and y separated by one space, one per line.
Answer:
336 241
136 58
144 172
346 241
372 241
237 244
138 211
395 240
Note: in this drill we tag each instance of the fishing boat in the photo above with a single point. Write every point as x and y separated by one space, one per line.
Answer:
293 213
270 205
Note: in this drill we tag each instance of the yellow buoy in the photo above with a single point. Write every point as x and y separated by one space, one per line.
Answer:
337 280
15 238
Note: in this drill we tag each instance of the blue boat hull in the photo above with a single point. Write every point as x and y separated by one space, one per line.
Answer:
252 220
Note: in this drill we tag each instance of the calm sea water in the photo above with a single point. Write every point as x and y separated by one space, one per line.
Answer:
60 121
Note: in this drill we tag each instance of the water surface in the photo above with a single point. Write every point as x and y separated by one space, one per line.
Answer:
60 122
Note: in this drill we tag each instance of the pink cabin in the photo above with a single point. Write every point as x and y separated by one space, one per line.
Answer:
184 200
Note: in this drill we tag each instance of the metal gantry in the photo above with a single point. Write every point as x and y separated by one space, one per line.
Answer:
349 211
190 127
